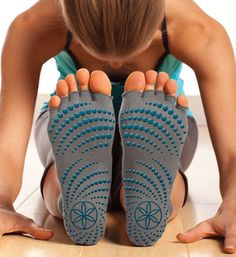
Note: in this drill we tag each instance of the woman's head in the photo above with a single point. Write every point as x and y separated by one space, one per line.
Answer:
113 28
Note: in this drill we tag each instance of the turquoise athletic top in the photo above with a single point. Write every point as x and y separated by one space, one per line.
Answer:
67 64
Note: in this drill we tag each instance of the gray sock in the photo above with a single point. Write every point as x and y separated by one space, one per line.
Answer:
153 130
81 132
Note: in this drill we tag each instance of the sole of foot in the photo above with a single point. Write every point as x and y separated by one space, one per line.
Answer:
153 128
81 130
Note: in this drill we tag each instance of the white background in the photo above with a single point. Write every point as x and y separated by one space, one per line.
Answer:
222 10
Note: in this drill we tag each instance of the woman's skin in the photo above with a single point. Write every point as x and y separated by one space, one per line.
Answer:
194 38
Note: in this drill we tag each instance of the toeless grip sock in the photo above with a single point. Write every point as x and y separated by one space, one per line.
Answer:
153 130
81 133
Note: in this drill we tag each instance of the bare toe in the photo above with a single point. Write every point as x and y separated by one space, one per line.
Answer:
182 101
135 81
171 87
54 101
162 79
62 88
71 82
100 83
150 77
83 77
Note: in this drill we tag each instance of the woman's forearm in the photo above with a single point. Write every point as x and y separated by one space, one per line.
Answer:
20 74
11 179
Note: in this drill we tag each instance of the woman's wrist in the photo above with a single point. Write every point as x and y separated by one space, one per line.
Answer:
227 172
228 186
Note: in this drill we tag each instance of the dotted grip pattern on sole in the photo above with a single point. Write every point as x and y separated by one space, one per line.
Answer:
153 130
81 133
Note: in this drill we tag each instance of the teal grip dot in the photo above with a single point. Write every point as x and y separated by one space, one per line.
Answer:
88 130
129 126
109 136
141 127
82 113
153 113
175 116
71 107
131 135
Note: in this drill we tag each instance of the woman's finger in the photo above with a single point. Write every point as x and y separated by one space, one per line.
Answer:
202 230
40 232
28 226
230 241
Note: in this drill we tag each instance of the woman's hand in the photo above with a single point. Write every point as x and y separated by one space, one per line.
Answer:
11 221
222 224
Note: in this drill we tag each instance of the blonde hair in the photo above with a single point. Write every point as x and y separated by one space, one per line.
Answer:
113 27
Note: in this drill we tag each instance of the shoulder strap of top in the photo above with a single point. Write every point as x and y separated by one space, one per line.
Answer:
165 35
68 40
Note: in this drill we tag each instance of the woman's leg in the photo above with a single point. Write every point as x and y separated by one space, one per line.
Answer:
178 190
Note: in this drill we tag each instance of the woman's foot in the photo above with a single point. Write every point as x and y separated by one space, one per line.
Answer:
153 128
81 129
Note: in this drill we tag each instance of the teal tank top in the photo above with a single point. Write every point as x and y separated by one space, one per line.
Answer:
170 65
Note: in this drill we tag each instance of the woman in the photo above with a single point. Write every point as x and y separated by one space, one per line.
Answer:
100 44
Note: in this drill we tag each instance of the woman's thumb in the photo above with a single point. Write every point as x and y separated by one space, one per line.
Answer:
39 232
202 230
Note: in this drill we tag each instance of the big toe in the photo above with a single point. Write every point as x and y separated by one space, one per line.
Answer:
100 83
135 81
